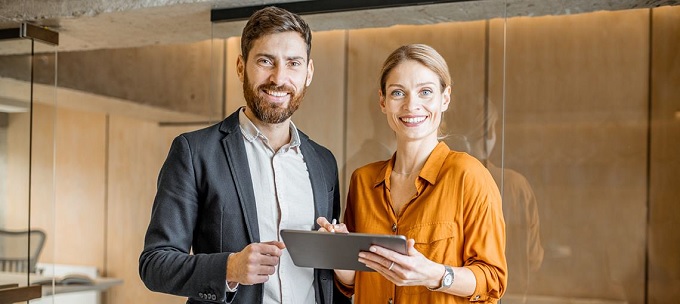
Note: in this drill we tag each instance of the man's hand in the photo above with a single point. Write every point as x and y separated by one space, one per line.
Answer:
255 263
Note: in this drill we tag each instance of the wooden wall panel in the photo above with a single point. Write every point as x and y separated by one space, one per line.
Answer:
16 210
664 237
576 127
67 192
80 188
43 187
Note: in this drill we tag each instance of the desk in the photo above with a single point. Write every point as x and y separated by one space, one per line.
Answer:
100 284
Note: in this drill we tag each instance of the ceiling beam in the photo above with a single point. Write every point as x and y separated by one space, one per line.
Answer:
318 7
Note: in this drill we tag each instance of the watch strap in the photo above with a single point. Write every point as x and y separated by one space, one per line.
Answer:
448 271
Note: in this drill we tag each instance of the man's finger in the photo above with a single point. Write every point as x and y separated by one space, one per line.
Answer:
271 248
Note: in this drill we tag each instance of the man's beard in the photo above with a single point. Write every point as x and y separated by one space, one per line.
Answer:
269 112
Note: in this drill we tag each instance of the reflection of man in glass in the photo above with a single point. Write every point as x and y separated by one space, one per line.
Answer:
523 251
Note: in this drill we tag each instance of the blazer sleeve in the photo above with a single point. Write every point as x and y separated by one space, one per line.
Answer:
165 264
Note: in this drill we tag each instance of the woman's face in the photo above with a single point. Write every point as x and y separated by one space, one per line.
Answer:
413 101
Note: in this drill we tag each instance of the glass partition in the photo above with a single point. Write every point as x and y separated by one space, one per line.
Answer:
27 126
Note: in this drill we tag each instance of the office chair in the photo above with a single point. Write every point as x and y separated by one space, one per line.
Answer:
15 255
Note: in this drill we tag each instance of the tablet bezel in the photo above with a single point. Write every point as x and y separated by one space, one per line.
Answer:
325 250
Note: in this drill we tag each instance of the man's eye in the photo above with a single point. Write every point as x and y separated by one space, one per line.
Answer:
264 61
295 63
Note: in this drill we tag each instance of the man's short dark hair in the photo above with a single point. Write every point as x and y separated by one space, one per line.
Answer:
273 20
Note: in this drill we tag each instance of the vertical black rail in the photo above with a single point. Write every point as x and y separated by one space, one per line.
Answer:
30 161
648 185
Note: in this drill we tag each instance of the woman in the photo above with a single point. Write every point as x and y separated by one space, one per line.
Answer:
445 202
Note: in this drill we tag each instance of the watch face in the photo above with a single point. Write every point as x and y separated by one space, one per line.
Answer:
448 279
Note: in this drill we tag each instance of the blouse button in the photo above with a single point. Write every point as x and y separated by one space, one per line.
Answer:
390 301
394 227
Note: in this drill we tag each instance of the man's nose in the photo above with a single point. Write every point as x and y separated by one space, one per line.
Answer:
278 75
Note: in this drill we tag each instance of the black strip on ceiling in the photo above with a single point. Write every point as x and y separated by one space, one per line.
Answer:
317 7
10 33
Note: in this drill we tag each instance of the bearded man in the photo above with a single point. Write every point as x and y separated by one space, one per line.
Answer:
225 192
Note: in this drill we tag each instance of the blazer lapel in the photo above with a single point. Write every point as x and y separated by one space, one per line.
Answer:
237 161
316 176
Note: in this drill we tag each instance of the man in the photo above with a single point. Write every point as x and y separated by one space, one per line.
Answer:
226 191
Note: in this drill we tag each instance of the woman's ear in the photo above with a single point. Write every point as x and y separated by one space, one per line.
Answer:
382 100
446 98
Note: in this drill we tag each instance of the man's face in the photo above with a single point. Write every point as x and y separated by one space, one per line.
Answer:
275 76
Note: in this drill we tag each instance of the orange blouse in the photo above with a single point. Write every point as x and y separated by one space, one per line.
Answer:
455 218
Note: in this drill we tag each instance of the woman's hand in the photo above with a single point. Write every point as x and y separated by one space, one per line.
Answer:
411 269
327 226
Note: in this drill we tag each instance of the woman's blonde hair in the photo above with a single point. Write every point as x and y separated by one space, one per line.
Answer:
421 53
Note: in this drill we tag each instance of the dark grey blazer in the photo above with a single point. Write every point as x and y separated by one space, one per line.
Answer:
205 203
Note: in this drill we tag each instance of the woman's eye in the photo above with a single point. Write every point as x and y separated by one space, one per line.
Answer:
397 93
426 92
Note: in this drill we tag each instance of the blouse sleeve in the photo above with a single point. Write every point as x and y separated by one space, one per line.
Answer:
484 229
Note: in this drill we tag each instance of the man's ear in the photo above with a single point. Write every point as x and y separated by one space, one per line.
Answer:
446 96
240 67
310 72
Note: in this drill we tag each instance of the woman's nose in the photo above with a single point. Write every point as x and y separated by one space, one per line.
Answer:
411 103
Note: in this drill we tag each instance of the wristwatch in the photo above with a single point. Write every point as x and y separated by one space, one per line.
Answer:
447 279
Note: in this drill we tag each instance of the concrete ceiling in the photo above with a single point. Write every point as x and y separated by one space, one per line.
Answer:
105 24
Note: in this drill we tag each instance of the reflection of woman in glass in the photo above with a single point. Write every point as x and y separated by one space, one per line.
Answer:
444 202
524 251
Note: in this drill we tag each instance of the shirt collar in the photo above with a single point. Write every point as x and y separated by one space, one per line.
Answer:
251 132
430 170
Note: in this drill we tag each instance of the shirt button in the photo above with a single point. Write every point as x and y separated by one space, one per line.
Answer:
394 227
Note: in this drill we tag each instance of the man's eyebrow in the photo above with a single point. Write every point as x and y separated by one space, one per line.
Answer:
296 58
269 56
272 57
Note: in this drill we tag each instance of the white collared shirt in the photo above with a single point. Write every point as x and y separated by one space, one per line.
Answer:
284 199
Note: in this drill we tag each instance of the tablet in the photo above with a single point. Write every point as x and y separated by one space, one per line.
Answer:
327 250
